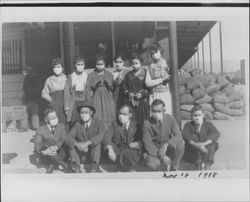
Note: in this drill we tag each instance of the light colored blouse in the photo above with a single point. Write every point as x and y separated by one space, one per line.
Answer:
53 84
79 81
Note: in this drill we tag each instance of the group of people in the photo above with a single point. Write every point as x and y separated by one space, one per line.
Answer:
124 116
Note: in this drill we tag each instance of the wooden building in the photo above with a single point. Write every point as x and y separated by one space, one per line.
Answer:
36 44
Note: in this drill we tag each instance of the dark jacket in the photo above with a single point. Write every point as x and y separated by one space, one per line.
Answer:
207 131
116 136
78 133
32 88
154 137
44 137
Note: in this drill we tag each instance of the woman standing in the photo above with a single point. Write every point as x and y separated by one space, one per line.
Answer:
53 90
100 92
136 92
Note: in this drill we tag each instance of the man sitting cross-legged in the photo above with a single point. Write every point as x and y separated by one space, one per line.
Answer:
84 140
122 140
48 142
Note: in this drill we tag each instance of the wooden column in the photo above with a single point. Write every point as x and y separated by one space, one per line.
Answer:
174 70
198 58
210 51
113 40
69 46
61 43
221 51
203 58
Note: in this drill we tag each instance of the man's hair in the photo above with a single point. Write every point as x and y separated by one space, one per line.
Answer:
126 105
56 61
196 108
47 112
157 102
78 59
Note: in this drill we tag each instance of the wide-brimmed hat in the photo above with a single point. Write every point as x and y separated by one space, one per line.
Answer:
86 104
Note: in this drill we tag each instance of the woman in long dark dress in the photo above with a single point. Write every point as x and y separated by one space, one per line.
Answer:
53 90
99 90
137 95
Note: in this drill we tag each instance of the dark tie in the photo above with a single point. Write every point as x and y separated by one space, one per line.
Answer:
197 128
53 130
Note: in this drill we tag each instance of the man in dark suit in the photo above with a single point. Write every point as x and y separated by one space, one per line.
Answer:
201 140
48 142
84 140
122 140
162 139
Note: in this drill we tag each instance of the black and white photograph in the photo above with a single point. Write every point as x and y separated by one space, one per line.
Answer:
124 93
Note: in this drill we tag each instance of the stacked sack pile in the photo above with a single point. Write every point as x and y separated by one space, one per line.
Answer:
220 99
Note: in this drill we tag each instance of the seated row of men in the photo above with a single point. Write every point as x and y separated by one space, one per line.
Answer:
159 144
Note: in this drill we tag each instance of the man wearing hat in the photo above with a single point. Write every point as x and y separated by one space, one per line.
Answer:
201 140
84 140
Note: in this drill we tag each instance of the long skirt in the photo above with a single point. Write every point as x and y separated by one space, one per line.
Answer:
165 97
58 105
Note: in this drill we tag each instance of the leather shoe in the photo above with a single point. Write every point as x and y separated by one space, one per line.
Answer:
75 168
50 169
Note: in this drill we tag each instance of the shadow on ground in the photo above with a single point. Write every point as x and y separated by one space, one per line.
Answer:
7 157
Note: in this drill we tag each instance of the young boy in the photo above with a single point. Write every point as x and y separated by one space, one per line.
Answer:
32 92
122 141
84 140
201 140
48 141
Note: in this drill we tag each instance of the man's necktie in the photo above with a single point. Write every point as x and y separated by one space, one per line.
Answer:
53 130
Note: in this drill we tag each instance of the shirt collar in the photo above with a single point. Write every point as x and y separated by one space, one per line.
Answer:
88 123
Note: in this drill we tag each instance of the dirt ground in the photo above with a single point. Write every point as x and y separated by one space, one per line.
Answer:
18 157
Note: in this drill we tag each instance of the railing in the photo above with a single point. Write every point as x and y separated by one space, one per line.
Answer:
12 56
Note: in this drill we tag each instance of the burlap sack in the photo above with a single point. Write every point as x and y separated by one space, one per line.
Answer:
221 116
193 83
208 115
204 99
205 80
235 105
221 81
207 107
185 115
196 72
227 89
182 80
186 107
212 88
198 93
234 95
221 98
222 108
186 99
182 90
236 112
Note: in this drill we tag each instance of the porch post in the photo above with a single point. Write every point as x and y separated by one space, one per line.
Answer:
61 44
221 51
69 46
174 70
113 39
203 58
210 51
